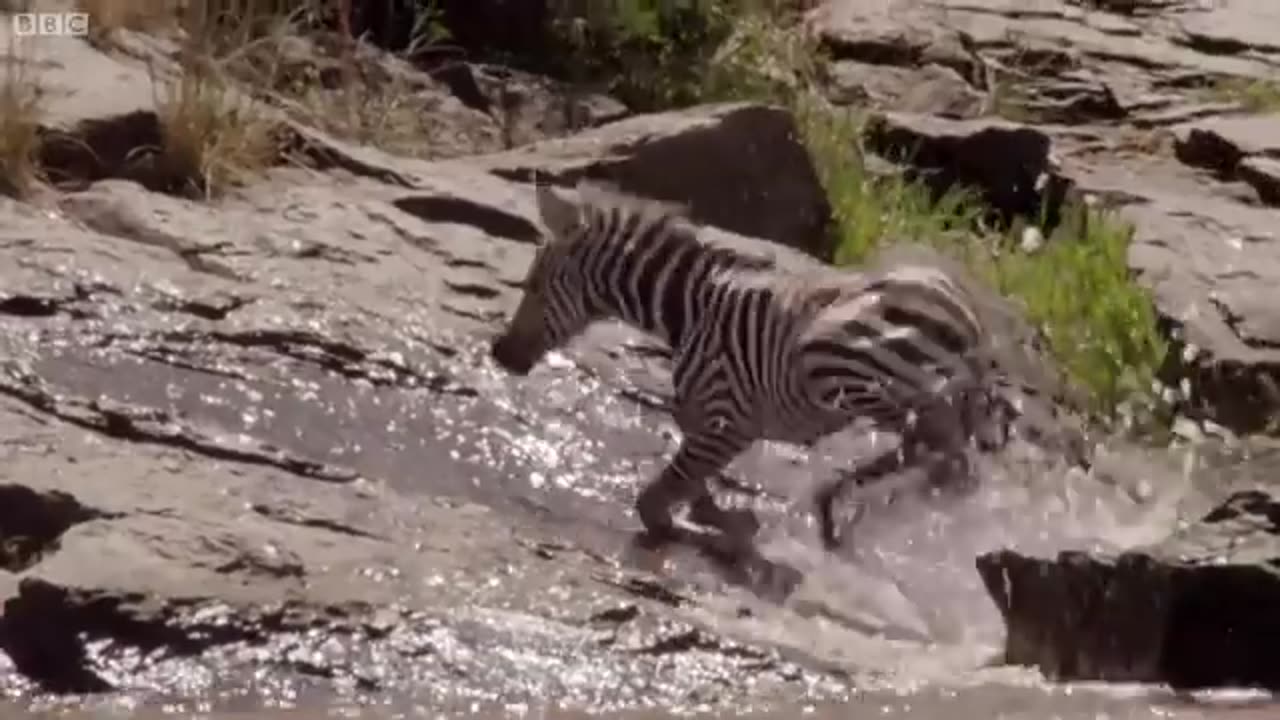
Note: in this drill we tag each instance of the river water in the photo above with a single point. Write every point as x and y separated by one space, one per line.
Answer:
992 702
902 613
932 645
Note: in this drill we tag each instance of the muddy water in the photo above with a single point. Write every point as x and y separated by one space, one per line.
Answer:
901 613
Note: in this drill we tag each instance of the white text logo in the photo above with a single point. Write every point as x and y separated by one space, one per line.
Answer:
66 24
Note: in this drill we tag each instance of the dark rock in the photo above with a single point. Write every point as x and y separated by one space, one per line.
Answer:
510 27
31 523
1008 163
772 191
1263 173
1196 610
1245 148
1219 144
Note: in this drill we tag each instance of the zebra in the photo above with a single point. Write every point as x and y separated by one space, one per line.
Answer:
758 353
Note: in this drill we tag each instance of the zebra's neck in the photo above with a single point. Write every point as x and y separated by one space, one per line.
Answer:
661 278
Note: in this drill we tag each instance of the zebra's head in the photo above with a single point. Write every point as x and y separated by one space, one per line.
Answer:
554 307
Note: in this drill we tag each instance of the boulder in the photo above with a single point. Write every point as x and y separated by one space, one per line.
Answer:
1237 147
1263 173
1220 143
1196 610
1009 163
738 166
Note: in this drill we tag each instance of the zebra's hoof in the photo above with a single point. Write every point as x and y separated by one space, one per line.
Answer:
736 522
830 540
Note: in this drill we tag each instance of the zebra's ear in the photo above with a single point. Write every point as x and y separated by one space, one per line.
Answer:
559 215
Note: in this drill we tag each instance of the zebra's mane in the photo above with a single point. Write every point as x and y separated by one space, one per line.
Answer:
601 196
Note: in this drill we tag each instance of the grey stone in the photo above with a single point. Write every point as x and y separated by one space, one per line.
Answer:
1221 143
1193 611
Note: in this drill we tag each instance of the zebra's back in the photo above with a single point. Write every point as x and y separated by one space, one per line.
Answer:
889 341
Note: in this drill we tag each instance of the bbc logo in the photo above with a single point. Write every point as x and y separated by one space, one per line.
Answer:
64 24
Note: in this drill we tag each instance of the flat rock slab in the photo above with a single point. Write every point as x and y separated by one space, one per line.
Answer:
1197 610
1241 147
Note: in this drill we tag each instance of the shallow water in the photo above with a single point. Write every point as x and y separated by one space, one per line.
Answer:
991 702
901 614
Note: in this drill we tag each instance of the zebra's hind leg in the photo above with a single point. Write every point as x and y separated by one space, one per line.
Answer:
737 522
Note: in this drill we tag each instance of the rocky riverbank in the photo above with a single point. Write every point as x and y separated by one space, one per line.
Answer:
251 447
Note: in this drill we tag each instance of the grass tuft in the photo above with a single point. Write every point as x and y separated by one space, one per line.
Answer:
20 136
870 209
1257 96
1100 324
212 137
1077 289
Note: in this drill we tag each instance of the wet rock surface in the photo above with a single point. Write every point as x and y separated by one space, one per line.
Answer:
252 450
1194 610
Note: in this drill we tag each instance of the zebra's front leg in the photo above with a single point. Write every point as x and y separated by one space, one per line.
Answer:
864 474
684 479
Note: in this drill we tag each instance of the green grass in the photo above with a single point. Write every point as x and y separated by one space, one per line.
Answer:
1259 96
1100 324
868 210
1077 288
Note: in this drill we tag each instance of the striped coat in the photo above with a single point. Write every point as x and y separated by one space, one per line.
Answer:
759 353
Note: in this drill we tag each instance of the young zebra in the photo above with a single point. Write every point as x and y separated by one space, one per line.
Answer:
758 353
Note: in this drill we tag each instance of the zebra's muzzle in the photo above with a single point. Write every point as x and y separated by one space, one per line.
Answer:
508 354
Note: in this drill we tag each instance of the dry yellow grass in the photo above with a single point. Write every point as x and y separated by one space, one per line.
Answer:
20 111
245 41
212 137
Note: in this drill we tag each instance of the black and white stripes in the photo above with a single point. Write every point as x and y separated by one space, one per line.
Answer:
758 353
